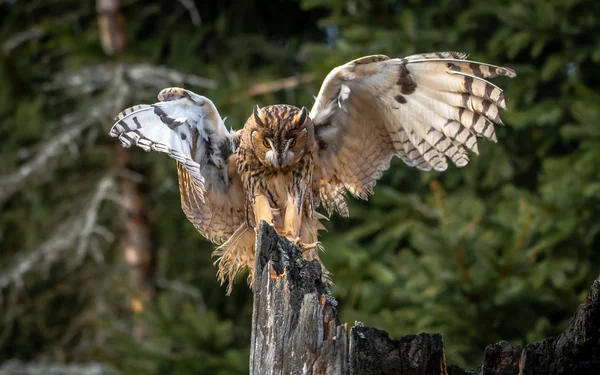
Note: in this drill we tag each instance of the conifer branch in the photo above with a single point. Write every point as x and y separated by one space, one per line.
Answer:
62 240
76 232
40 164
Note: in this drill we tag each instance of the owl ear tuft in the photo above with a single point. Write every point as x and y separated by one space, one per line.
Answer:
256 114
302 116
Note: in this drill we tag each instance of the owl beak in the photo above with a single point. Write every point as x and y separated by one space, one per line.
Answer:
274 159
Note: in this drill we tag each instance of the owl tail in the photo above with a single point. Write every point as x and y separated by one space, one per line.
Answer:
236 254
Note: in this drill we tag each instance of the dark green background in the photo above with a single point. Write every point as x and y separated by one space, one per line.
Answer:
503 249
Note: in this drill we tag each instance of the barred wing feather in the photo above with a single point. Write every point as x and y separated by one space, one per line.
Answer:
188 128
425 109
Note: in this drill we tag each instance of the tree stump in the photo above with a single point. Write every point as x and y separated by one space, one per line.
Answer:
295 330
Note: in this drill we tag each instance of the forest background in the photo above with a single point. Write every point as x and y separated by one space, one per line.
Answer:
99 264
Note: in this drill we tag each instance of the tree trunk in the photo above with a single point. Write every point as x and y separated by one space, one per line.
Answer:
138 247
295 330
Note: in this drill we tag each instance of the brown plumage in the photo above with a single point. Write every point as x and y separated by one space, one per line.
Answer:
285 162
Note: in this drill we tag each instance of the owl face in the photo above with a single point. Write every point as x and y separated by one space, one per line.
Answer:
280 135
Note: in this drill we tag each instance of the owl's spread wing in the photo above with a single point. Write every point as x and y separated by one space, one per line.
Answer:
188 128
424 109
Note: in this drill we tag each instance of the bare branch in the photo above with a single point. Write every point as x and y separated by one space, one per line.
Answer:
272 86
90 218
13 182
21 38
85 80
161 77
90 79
193 11
74 124
103 232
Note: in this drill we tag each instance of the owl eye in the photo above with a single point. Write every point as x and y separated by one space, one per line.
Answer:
266 144
293 143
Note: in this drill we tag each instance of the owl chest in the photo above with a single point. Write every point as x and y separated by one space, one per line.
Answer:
278 189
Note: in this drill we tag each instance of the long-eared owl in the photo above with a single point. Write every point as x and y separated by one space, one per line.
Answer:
286 162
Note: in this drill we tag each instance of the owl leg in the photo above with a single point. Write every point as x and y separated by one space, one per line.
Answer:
262 210
292 221
292 227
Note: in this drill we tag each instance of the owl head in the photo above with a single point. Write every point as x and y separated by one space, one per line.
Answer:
280 135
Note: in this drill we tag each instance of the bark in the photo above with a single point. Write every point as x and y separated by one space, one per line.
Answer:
295 330
373 352
575 351
139 250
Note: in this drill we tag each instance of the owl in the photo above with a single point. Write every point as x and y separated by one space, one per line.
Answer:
286 162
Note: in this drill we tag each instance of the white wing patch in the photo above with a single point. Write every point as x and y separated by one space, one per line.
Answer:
184 125
156 135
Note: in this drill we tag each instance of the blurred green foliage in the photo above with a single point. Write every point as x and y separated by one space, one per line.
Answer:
503 249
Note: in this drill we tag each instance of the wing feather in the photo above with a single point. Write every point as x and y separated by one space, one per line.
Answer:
438 55
478 69
424 109
188 128
431 123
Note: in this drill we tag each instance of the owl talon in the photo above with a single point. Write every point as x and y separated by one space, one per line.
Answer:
307 248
